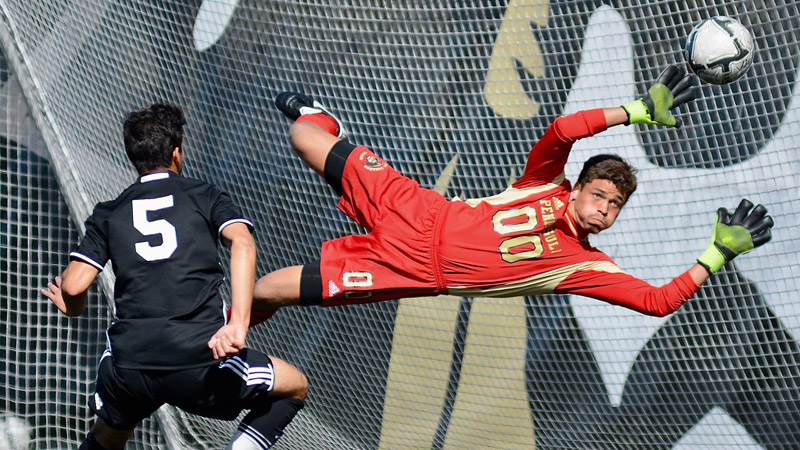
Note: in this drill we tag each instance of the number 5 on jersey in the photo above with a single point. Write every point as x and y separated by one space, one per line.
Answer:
169 239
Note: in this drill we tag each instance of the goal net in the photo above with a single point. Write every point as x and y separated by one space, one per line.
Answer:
452 94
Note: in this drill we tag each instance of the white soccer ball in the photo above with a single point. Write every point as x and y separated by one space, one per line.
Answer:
720 50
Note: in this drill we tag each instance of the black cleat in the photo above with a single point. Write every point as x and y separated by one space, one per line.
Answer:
296 104
293 104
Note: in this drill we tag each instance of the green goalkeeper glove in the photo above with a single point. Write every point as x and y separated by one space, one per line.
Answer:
672 89
734 235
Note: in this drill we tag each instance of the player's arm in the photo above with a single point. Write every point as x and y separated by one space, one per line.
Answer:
69 292
238 238
549 155
732 235
623 289
699 274
615 116
230 339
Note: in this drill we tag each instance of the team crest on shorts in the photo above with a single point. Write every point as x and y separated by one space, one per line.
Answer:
372 162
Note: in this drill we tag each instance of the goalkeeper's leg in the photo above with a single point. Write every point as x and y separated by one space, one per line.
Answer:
315 131
312 144
275 289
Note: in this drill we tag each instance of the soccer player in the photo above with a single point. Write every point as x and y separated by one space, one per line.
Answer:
170 340
530 239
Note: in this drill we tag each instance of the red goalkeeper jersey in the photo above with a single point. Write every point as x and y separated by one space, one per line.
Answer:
524 242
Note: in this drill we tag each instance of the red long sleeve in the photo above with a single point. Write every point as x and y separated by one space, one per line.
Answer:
548 157
622 289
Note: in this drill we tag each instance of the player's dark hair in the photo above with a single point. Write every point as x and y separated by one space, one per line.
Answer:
152 134
612 168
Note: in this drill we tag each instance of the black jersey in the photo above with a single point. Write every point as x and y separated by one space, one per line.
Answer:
161 236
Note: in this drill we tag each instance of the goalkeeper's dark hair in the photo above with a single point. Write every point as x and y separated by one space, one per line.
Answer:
612 168
151 135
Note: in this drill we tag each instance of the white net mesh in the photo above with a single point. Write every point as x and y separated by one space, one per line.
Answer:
423 84
48 360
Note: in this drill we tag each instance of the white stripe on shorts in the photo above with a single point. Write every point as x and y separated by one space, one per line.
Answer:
251 375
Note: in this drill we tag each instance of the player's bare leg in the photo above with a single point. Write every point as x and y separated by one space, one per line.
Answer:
108 438
312 136
277 289
312 144
290 382
315 131
273 290
265 422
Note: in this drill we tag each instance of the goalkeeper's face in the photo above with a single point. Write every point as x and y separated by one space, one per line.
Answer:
595 205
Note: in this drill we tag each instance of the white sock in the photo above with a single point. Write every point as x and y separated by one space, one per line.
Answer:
248 438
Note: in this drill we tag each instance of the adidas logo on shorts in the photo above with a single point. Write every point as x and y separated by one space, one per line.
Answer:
333 289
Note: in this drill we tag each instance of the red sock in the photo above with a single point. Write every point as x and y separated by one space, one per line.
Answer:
256 317
324 121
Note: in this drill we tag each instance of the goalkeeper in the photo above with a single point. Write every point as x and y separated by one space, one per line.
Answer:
530 239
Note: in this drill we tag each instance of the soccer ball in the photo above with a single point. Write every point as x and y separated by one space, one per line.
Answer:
720 50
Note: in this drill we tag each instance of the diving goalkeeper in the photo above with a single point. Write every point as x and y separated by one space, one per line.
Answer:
530 239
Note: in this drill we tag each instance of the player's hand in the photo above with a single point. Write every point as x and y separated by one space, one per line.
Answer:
736 234
53 292
672 89
228 340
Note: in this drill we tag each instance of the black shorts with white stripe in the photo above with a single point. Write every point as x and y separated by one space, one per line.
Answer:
220 391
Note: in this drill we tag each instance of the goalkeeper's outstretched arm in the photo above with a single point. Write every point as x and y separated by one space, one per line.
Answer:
744 230
731 236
